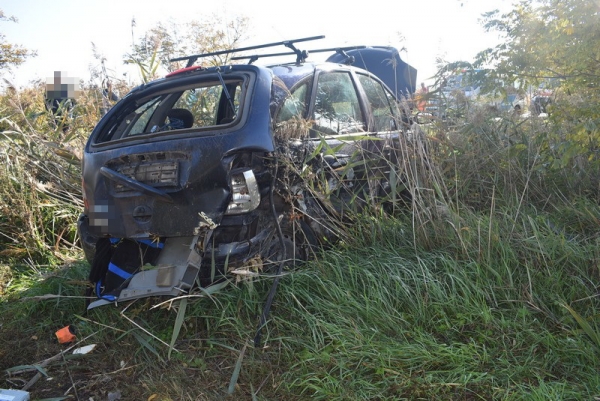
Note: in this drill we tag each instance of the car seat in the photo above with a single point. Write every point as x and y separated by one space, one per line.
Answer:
180 119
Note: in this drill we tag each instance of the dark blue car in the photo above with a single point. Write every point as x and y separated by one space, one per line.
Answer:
214 169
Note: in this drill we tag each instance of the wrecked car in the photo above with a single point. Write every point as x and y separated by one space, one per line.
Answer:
212 169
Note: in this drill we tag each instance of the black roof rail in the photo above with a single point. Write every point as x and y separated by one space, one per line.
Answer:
287 43
300 57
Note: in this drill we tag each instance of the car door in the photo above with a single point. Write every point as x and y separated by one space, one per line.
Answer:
341 132
387 126
356 125
351 118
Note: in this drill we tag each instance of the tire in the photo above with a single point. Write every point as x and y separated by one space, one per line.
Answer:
299 240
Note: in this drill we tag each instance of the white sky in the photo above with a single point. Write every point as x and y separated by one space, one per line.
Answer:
62 31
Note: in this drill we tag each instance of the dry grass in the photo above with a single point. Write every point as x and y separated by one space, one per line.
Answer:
473 275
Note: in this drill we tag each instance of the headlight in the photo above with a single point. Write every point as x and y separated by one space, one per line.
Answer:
245 196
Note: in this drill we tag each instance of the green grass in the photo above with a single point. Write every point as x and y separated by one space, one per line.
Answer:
375 318
380 324
486 289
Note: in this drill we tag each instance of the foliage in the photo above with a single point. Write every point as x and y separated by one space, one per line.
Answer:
40 184
154 50
549 47
554 45
484 288
548 39
11 55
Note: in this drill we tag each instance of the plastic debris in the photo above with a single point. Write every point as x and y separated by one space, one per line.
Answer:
66 334
84 350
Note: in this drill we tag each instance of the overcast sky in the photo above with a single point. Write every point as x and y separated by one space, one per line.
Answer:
62 31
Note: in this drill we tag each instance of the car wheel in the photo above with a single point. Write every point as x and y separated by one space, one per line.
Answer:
299 240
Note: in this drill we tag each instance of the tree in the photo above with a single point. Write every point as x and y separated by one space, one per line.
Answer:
167 41
556 42
11 54
547 39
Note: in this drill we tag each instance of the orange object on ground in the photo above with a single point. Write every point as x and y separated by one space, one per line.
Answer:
66 334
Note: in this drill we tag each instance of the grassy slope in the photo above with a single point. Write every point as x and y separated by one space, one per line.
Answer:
478 314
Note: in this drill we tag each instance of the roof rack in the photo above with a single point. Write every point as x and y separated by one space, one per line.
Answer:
300 55
304 54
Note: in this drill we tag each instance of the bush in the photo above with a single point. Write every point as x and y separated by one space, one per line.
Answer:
40 184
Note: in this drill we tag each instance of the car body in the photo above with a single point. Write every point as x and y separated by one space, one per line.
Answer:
185 179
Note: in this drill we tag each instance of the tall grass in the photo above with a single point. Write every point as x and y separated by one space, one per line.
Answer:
486 290
380 321
40 177
485 287
375 319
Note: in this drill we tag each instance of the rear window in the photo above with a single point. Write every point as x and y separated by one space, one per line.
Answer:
203 106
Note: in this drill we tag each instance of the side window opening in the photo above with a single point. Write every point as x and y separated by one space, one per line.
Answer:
199 107
210 105
380 102
294 106
337 108
290 118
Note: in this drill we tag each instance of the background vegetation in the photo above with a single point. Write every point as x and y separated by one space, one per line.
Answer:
485 289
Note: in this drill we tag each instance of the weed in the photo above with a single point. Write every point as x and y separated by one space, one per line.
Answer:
481 284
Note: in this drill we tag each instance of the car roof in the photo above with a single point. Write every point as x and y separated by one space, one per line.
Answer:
383 62
290 74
